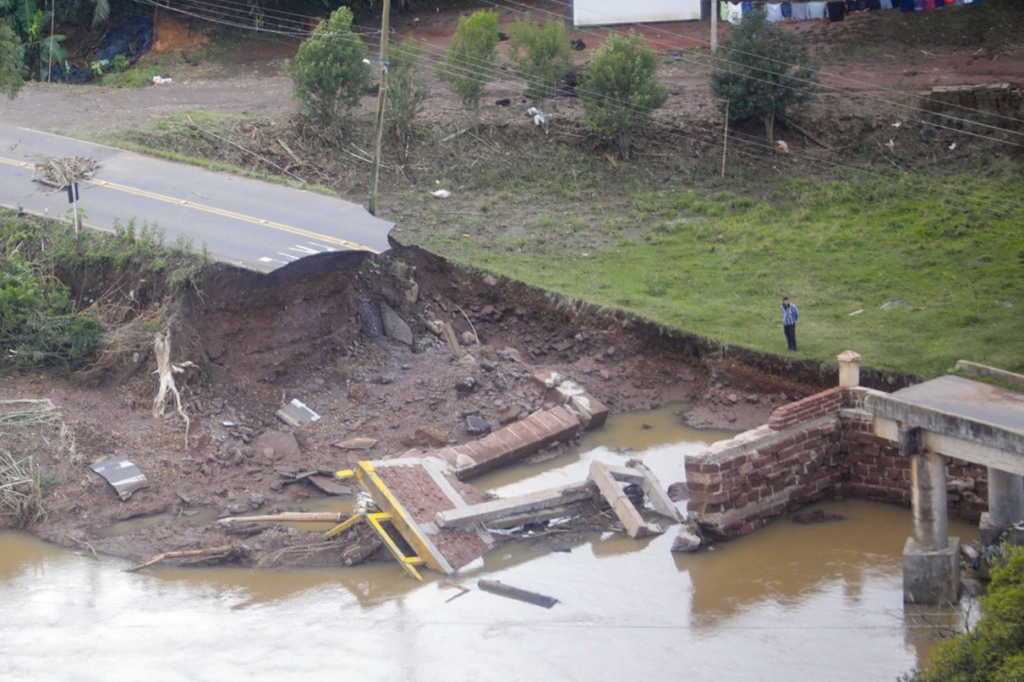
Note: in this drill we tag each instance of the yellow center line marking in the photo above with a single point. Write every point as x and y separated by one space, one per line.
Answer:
213 210
18 164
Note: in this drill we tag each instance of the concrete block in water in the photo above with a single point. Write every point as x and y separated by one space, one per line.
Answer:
931 577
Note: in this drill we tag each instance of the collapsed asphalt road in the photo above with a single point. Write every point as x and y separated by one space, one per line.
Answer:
248 223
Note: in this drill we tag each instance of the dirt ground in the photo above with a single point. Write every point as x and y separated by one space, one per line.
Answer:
313 331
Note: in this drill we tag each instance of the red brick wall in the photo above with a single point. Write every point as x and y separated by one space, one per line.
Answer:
739 488
810 451
874 470
812 407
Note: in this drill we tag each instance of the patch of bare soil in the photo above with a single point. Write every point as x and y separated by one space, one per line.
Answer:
316 331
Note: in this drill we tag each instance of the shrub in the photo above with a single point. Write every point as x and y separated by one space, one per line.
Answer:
762 73
329 73
542 55
994 650
407 91
621 89
469 61
12 62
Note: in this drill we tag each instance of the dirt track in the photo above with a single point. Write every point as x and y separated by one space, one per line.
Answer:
249 79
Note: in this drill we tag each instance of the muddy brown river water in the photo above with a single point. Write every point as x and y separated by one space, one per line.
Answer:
791 602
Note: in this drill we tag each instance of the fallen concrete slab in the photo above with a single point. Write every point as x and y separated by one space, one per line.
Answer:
623 507
521 504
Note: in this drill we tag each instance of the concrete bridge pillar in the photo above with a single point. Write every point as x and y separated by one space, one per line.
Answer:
931 559
1005 505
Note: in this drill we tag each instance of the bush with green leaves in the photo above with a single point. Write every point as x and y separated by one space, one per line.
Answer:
469 61
12 62
762 73
329 74
620 90
994 649
542 56
407 91
37 326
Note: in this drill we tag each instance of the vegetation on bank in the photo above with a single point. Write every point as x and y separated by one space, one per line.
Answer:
911 279
994 649
61 294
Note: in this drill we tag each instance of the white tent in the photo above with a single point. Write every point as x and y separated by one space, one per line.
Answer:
596 12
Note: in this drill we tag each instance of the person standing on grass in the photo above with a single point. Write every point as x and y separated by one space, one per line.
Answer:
789 317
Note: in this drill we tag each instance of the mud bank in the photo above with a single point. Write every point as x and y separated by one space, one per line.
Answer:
357 340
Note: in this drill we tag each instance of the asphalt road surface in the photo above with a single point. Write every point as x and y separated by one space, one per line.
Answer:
252 224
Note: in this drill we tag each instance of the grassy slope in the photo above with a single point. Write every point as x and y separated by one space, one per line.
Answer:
717 265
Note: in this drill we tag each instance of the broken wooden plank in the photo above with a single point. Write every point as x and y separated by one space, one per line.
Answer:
521 504
358 443
290 517
501 589
623 507
208 553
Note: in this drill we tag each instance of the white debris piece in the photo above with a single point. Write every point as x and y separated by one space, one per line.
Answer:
441 193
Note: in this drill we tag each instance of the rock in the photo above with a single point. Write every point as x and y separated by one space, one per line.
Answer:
465 385
477 425
686 541
510 414
752 399
893 305
677 492
436 327
490 280
412 294
468 360
255 500
604 374
281 445
370 316
510 354
732 398
503 102
487 365
430 436
395 327
467 338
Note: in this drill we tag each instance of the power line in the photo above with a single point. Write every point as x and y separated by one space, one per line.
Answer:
661 30
672 129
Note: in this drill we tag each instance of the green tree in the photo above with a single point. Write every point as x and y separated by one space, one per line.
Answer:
994 649
542 55
330 75
620 90
407 90
762 73
469 61
12 62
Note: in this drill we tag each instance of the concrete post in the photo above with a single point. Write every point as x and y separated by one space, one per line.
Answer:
1005 505
928 499
849 369
931 562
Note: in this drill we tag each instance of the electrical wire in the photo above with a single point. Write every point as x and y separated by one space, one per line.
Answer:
675 130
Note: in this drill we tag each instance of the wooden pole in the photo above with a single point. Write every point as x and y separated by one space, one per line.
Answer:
382 94
715 8
49 60
725 138
289 517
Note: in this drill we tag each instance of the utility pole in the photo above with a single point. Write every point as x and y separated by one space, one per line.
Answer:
382 94
715 9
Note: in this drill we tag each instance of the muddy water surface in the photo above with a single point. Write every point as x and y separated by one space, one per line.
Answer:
790 602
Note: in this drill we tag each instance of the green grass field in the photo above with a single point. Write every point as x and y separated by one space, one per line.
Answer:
951 248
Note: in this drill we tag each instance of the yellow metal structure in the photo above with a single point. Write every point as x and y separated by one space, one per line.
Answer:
394 514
